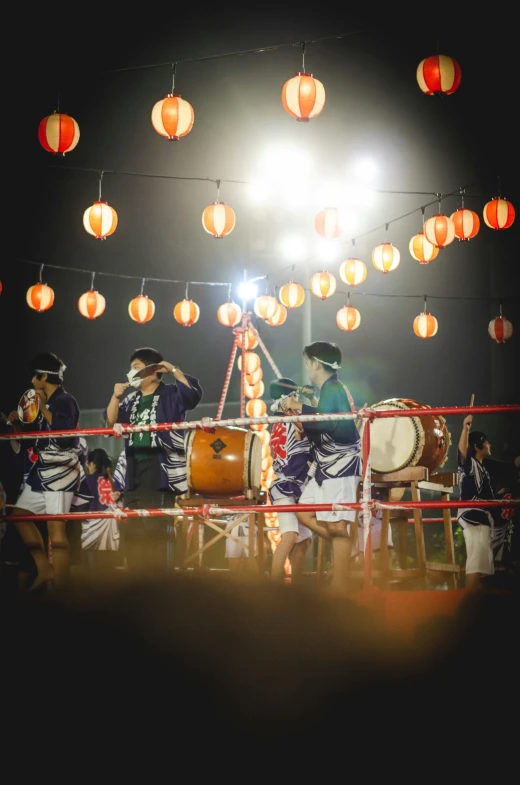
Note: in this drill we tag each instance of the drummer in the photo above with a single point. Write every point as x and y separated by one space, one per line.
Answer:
155 461
54 475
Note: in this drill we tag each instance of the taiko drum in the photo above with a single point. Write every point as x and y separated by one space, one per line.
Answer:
226 462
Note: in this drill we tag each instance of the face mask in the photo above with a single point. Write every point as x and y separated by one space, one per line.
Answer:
132 380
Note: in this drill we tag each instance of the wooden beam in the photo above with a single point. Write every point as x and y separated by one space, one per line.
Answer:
409 474
441 567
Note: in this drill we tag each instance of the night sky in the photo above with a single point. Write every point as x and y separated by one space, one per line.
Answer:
374 109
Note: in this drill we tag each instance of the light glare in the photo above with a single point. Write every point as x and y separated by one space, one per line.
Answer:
247 291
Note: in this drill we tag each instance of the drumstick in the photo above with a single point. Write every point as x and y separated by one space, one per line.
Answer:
472 399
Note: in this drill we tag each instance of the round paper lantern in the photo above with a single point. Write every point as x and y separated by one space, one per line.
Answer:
323 284
91 304
326 223
256 407
249 340
218 219
141 308
58 133
439 230
265 438
254 376
499 213
438 75
265 306
353 271
251 362
425 325
386 257
40 297
254 390
266 448
291 295
259 426
229 314
422 250
303 97
348 318
278 317
500 329
186 312
267 462
172 117
100 220
466 223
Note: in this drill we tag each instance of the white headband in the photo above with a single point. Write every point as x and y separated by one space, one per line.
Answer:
333 365
276 405
59 373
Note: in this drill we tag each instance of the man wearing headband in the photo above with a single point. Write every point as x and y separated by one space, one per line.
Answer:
54 475
337 454
155 460
291 451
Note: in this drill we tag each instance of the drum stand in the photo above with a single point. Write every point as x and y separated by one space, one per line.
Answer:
416 478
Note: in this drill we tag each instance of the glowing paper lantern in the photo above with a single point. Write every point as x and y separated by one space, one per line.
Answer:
229 314
323 284
256 407
291 295
91 304
278 317
439 230
259 426
326 223
186 312
254 390
100 220
303 97
265 438
266 448
251 362
218 219
267 462
438 75
141 309
348 318
422 250
172 117
425 325
353 271
249 340
499 213
40 297
500 328
58 133
254 377
386 257
466 223
265 306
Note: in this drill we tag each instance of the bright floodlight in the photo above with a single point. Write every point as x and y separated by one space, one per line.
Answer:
247 291
366 170
285 164
259 191
294 247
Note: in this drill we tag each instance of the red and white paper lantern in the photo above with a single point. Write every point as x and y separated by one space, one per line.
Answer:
218 219
500 329
303 97
422 250
229 314
348 318
58 133
141 309
425 325
353 271
172 117
40 297
100 220
386 257
186 312
326 223
466 223
438 75
91 304
439 230
323 284
499 213
291 295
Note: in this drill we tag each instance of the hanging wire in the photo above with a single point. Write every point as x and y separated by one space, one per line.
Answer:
423 210
100 181
462 192
186 292
218 189
425 304
142 287
439 197
92 281
174 70
303 56
41 273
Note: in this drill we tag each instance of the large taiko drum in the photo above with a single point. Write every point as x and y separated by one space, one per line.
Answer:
225 463
399 442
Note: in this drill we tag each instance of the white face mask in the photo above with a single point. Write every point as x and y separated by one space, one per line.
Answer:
132 380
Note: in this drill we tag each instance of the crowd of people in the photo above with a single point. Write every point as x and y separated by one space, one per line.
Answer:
314 463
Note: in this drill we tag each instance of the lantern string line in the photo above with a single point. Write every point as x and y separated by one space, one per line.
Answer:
261 277
240 53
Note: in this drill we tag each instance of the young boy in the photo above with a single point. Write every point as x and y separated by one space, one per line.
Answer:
155 460
337 455
54 475
291 452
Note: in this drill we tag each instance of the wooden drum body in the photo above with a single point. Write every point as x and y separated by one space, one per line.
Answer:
225 463
400 442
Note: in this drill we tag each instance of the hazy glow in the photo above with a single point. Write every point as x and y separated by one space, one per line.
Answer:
259 191
247 291
366 170
294 247
326 250
285 163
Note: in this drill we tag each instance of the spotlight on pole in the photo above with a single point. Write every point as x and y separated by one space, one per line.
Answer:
294 247
247 291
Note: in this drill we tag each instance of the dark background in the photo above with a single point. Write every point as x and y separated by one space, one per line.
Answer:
374 108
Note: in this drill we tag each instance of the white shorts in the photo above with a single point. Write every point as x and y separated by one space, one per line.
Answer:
45 502
339 490
479 556
235 550
288 522
376 534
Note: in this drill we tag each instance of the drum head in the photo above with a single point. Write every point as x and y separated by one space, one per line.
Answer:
395 442
28 407
253 463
